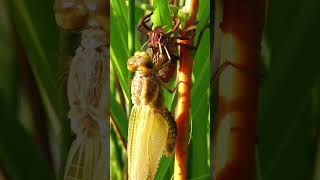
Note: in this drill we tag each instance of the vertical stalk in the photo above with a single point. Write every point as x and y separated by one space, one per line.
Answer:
183 104
131 34
234 130
118 132
131 38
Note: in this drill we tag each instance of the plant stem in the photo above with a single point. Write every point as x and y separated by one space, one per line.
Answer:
131 33
234 133
117 130
120 92
131 37
117 152
183 104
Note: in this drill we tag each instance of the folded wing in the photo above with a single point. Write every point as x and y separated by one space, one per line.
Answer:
148 132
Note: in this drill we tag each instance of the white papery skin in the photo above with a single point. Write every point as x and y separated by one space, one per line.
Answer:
87 95
148 133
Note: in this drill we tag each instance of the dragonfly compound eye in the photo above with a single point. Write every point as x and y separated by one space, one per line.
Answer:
141 61
132 64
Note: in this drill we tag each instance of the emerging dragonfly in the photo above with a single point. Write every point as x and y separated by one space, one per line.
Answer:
164 46
87 88
152 128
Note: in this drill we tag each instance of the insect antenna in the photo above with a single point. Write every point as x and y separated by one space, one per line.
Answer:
188 46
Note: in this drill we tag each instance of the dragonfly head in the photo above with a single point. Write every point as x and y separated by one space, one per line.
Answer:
141 62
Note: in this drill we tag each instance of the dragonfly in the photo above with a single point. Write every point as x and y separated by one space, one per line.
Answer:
87 88
164 45
152 128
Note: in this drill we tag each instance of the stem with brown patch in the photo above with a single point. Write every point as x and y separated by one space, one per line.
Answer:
234 133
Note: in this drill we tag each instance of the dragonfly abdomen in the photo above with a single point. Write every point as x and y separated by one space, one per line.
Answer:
172 131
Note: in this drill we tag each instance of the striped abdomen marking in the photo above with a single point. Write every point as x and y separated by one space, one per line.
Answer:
172 132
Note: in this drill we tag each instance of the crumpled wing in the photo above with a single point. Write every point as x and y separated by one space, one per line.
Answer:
148 133
86 159
101 171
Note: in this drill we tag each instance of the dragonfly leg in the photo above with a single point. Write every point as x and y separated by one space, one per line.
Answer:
170 90
226 64
143 27
188 46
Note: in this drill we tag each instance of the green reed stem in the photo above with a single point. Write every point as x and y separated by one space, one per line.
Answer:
132 28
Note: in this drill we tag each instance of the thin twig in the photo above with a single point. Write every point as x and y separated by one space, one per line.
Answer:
117 152
116 128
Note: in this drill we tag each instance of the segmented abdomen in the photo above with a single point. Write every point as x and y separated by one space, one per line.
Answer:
172 132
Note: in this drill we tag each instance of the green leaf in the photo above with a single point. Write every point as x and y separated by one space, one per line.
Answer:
118 44
164 165
174 10
119 116
183 15
40 39
203 17
161 14
18 164
39 34
7 80
198 152
202 177
285 125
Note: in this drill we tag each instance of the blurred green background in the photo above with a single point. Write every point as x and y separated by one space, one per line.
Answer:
289 111
35 133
